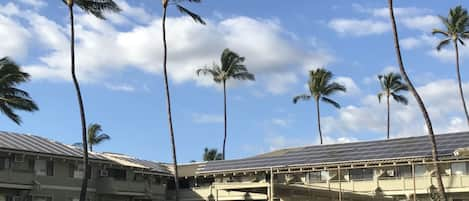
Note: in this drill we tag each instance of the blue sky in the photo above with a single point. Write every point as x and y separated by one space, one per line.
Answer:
120 69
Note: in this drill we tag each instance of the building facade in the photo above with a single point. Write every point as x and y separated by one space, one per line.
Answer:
36 169
33 168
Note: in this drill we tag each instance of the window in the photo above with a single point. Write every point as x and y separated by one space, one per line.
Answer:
44 168
458 168
4 163
139 177
420 170
118 174
76 171
318 177
361 174
405 171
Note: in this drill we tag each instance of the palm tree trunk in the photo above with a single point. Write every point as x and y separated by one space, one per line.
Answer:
460 82
168 104
84 185
318 112
224 108
389 121
91 147
428 123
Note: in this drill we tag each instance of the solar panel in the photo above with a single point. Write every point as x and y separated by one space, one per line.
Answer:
419 146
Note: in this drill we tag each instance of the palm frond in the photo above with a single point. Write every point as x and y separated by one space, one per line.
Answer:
438 31
330 101
6 110
244 76
193 15
102 137
12 98
98 7
333 88
380 95
215 72
303 97
399 98
443 43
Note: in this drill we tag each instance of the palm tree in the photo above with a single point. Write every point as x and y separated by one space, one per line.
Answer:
391 84
457 29
95 137
198 19
96 8
232 67
12 98
212 155
428 123
320 88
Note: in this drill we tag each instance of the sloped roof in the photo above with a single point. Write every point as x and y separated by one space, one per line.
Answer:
419 147
135 162
37 144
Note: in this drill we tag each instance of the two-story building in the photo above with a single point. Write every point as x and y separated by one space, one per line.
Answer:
37 169
395 169
33 168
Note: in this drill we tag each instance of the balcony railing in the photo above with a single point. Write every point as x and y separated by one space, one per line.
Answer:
17 177
108 185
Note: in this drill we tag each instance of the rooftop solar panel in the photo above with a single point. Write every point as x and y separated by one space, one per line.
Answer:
359 151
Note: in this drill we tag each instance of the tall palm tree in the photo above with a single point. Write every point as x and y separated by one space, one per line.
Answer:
96 8
456 30
428 123
95 136
212 155
391 85
232 67
321 88
196 18
12 98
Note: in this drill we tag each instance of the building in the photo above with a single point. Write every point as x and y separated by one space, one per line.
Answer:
36 169
395 169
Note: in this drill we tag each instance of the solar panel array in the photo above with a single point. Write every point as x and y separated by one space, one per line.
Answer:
40 145
322 154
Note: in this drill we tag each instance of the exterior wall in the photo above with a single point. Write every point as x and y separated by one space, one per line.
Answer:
20 179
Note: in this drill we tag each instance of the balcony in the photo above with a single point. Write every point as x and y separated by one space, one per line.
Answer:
398 186
16 179
208 193
110 186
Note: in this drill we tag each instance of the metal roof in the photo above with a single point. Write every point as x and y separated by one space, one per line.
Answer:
40 145
139 163
37 144
410 147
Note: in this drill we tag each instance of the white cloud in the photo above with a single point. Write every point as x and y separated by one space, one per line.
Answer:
120 87
410 43
15 37
280 82
440 97
424 23
399 12
356 27
280 122
139 47
9 9
34 3
352 87
202 118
